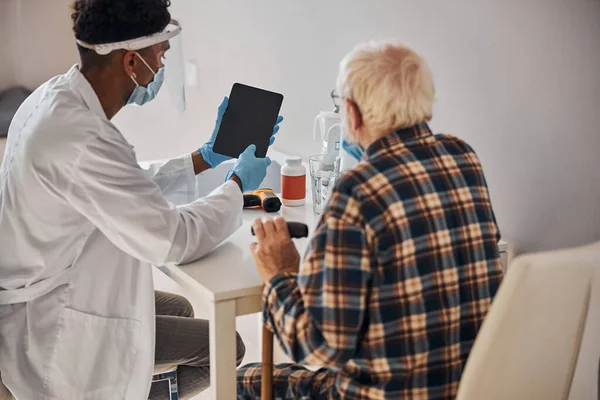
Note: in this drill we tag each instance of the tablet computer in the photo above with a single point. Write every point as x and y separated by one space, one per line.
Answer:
249 119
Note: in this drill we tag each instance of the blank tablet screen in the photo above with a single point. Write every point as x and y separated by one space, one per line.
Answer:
249 119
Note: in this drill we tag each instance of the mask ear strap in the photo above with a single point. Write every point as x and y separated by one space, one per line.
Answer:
144 61
133 78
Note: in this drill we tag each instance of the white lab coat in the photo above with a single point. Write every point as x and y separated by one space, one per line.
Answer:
80 225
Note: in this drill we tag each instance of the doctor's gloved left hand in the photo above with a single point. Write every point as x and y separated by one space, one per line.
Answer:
213 159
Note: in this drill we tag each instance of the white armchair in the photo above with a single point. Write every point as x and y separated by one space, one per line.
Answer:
541 338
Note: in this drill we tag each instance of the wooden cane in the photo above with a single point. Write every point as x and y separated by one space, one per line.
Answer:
267 365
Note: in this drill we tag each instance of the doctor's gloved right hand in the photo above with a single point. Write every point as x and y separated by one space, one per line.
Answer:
250 170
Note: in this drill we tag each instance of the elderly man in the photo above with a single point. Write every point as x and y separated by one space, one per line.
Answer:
404 263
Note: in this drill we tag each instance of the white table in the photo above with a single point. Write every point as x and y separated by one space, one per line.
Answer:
228 282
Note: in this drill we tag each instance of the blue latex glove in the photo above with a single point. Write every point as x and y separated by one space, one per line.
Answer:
213 159
249 169
353 149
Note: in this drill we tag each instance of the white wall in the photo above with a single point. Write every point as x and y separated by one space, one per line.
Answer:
41 39
7 70
38 39
517 79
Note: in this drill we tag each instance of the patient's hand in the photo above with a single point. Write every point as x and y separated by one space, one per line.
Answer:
275 253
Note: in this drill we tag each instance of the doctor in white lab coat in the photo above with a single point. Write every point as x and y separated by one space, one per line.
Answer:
81 223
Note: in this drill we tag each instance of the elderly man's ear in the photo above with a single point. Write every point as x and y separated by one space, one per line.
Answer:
354 116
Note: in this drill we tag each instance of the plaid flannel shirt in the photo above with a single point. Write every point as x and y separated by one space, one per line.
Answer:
400 273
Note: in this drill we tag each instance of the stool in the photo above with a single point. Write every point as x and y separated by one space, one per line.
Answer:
170 376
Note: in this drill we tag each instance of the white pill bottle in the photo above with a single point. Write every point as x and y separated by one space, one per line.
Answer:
293 182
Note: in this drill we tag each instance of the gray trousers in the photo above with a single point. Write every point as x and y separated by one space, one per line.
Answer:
182 341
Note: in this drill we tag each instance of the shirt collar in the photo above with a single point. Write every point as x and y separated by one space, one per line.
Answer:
80 84
403 138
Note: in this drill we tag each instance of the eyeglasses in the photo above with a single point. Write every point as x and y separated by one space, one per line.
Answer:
336 99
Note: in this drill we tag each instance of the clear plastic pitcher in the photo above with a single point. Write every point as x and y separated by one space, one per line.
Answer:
324 173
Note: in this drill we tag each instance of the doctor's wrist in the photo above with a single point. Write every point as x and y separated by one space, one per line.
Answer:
233 177
200 165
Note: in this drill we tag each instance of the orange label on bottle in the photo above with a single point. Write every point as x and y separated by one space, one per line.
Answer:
293 187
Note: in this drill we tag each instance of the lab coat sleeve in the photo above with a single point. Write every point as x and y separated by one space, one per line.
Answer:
175 178
110 189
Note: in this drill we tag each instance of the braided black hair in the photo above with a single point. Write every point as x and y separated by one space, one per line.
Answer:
108 21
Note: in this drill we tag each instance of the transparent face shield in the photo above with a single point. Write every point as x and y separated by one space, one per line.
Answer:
175 73
174 64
